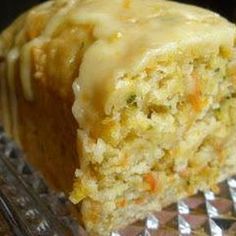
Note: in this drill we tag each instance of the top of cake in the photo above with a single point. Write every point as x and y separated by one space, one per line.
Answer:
102 41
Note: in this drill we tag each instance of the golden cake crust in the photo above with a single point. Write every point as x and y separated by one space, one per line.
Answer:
45 126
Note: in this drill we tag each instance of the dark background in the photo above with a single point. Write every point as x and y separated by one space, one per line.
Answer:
9 9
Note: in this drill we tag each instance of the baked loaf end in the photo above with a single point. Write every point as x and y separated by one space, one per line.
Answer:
36 75
153 102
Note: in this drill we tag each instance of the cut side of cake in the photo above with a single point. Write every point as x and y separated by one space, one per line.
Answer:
137 98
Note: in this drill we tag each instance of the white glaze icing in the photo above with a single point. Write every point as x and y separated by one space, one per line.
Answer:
12 59
4 100
26 66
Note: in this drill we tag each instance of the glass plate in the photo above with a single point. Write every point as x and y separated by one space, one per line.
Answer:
29 208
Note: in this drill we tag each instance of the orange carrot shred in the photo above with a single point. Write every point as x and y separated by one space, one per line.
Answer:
195 97
122 203
150 180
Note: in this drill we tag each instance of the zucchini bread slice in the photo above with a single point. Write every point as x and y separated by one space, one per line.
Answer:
137 98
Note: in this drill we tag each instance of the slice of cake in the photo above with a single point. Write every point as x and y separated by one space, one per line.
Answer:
137 98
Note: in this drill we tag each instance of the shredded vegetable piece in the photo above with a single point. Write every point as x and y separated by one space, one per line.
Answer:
150 180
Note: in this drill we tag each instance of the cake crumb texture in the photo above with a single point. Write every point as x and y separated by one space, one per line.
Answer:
137 98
